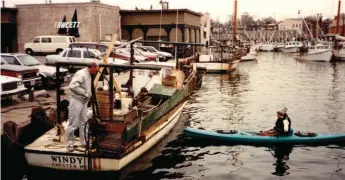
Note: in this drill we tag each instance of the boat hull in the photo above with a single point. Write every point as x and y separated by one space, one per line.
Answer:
218 67
316 56
340 55
290 49
267 47
62 160
242 137
248 57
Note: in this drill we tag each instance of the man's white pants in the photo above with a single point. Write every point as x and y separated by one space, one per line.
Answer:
77 118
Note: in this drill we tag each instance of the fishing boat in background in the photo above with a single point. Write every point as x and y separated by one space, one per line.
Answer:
317 52
291 47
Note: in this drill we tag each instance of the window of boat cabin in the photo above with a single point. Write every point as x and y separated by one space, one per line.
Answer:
74 53
46 40
312 47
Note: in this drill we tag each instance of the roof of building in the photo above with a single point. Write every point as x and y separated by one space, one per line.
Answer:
124 11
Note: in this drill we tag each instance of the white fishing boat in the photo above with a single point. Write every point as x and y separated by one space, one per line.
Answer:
316 53
280 47
216 66
291 47
267 47
251 56
119 133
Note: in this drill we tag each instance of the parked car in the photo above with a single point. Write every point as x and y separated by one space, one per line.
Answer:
126 52
47 73
150 56
154 50
11 86
101 47
80 55
29 75
48 44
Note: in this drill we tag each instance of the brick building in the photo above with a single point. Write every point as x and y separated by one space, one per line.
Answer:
146 24
97 21
332 29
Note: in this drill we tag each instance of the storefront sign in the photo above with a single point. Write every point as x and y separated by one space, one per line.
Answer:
67 24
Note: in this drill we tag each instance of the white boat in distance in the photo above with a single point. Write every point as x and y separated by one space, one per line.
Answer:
267 47
316 53
291 47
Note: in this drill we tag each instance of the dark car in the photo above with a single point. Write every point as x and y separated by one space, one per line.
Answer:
29 75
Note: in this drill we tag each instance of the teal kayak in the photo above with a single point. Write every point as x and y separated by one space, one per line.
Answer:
244 137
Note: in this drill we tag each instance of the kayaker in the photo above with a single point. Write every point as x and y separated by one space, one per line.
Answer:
282 126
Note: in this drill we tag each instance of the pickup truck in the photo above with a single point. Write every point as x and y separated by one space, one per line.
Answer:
11 86
29 75
47 73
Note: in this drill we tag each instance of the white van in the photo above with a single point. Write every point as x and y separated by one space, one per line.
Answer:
48 44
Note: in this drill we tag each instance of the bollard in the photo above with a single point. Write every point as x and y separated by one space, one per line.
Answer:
31 94
10 130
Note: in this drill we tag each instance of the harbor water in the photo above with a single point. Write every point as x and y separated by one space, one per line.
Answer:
248 99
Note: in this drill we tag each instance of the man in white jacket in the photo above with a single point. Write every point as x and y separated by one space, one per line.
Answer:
80 87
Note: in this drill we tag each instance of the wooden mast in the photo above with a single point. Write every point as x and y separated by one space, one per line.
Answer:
337 28
235 19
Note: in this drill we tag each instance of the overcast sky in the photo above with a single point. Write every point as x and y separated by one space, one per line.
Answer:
280 9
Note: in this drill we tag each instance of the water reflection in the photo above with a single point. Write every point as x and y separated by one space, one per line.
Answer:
281 153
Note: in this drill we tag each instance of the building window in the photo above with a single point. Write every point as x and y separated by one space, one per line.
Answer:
205 34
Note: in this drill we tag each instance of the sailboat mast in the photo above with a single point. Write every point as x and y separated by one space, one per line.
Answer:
235 19
337 28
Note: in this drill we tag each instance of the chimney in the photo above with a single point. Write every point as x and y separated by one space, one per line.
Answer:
3 3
